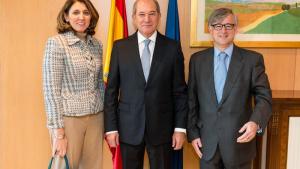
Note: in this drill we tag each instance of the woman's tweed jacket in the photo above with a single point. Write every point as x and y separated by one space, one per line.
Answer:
72 78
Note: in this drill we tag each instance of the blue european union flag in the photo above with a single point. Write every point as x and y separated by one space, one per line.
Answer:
173 32
172 27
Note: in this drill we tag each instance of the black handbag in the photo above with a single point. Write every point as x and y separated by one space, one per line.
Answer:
58 162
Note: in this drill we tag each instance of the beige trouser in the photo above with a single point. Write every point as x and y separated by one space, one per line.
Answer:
85 136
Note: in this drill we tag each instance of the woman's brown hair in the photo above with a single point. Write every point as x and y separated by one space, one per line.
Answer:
64 26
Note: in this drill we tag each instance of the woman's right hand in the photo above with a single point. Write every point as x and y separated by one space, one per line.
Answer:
60 146
59 143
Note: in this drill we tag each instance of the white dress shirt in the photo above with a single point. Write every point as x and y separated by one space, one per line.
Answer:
141 43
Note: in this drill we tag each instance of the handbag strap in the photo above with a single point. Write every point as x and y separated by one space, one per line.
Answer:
65 159
67 162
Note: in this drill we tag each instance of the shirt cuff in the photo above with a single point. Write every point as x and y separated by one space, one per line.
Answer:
180 130
259 130
111 132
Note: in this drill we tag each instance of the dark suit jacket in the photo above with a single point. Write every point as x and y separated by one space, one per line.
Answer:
218 124
134 107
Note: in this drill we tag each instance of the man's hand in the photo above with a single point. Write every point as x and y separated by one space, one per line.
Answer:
178 140
197 145
113 139
249 129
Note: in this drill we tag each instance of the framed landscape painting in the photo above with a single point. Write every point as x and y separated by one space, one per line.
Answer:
261 23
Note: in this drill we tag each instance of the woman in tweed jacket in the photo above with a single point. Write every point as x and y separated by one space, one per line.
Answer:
73 86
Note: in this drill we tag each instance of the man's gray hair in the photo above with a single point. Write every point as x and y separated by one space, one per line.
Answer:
135 5
219 15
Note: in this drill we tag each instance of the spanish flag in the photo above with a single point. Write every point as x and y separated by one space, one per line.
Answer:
117 30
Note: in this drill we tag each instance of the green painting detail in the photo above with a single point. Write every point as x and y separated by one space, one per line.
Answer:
287 22
261 17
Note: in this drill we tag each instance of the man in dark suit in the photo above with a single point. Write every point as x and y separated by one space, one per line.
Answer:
146 96
224 82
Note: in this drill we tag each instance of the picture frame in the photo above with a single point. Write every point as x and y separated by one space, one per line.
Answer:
253 22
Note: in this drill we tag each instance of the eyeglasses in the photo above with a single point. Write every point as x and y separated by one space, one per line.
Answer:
227 26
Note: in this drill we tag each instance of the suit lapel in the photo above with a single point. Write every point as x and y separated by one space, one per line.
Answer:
134 47
233 72
210 67
157 53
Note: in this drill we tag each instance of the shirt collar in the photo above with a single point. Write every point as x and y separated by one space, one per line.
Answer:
228 50
141 38
72 38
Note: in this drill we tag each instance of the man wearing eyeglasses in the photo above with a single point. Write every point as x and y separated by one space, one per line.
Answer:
229 97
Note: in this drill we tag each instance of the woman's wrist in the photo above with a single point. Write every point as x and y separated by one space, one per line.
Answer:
59 136
59 133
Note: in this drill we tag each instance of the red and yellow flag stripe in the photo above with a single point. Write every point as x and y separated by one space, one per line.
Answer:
117 30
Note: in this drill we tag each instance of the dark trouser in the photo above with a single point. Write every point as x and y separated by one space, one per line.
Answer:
133 155
217 163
